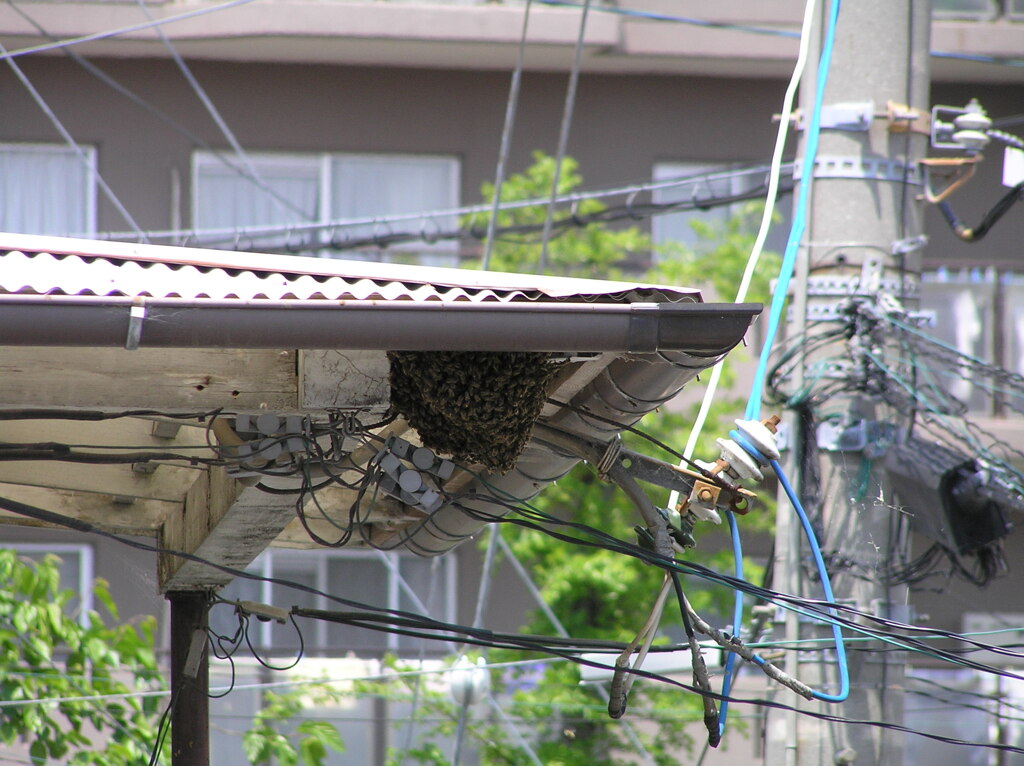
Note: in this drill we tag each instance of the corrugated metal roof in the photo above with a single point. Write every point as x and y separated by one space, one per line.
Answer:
33 265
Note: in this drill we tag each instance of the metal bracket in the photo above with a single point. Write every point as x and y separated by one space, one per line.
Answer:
849 115
136 316
905 119
872 437
863 168
871 272
909 245
836 286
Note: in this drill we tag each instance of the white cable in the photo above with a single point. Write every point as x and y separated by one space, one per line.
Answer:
762 233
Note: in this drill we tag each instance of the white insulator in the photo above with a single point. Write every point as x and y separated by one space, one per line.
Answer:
705 512
757 434
469 683
973 120
971 140
739 460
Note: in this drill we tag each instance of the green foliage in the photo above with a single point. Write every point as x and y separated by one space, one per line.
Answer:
719 258
46 653
594 251
307 742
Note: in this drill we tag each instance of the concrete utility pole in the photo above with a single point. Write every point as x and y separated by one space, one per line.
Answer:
861 238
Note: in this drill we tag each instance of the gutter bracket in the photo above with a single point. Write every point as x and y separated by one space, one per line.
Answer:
136 316
643 327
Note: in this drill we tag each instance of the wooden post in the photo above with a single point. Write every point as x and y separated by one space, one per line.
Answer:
190 716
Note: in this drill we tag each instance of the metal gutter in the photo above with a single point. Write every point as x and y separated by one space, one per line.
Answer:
104 321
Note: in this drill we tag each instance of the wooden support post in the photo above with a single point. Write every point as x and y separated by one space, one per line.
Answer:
190 715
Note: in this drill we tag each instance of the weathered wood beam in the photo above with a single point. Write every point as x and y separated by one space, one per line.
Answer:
141 518
178 380
107 437
221 521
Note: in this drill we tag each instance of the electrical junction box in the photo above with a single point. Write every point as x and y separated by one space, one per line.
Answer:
1000 629
950 497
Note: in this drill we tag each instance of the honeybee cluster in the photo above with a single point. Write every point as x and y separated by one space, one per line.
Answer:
477 406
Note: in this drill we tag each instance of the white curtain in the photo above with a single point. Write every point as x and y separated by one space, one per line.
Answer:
286 193
46 190
368 186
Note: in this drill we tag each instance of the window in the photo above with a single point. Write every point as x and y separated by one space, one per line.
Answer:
76 571
47 189
678 227
391 580
962 704
307 189
965 9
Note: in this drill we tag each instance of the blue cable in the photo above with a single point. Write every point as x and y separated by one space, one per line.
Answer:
753 410
737 619
796 232
826 586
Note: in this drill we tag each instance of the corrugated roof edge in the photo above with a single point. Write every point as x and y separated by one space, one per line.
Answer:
555 287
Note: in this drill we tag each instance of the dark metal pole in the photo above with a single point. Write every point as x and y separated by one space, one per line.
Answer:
190 716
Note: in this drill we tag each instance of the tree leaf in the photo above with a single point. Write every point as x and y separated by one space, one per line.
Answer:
37 751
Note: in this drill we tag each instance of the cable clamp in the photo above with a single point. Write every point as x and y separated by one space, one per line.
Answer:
263 612
608 459
870 168
136 316
908 245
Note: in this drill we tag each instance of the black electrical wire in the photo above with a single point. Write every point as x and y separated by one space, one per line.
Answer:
968 234
298 658
97 415
711 694
611 214
163 727
819 608
78 525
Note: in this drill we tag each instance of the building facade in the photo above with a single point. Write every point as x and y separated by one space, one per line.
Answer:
357 110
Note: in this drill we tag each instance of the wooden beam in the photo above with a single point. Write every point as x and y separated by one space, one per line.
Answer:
221 521
178 380
107 437
142 518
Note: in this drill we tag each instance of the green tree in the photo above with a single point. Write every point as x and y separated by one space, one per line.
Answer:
47 654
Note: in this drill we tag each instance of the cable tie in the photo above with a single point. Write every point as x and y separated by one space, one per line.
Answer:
611 454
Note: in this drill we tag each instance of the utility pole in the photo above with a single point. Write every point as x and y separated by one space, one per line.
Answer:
862 238
190 705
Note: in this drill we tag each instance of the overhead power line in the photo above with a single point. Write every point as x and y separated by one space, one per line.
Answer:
695 192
